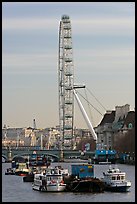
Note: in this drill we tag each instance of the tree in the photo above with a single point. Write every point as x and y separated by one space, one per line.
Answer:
127 142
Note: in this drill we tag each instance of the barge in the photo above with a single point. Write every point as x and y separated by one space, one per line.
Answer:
82 179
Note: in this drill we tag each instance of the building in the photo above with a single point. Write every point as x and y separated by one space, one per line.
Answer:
12 136
104 131
114 125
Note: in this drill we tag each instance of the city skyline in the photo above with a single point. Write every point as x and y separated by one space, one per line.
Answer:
103 36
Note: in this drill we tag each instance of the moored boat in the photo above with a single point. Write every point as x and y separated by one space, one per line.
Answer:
115 180
22 169
86 185
82 179
105 156
10 171
51 181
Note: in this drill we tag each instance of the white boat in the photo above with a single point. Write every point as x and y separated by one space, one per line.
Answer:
115 180
51 181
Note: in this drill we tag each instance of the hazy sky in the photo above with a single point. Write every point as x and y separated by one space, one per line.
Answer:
103 35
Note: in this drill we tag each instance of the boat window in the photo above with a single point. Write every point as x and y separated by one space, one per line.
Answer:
118 177
113 178
56 171
56 178
122 177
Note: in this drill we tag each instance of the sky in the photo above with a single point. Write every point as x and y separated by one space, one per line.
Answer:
103 37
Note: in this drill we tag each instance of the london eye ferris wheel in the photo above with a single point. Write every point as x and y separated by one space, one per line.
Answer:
67 87
66 83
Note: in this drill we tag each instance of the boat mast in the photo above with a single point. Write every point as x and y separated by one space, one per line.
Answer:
85 116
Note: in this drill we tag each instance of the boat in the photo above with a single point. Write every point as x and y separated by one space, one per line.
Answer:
115 180
10 171
22 169
86 185
104 156
50 181
82 179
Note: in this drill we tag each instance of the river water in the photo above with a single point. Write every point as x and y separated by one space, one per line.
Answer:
15 190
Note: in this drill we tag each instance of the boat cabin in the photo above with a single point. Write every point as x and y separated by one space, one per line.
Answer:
82 170
114 174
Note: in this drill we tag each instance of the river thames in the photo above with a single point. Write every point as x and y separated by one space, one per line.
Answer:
15 190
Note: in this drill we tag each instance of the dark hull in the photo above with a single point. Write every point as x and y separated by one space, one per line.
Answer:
118 188
28 178
9 173
83 185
